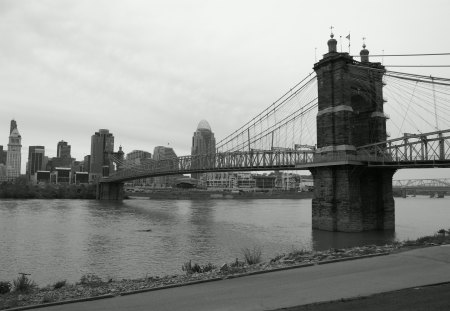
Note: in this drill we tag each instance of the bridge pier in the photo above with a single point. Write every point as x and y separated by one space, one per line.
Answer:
349 195
351 198
110 191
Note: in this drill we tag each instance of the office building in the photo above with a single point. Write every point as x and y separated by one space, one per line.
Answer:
102 143
13 156
63 150
2 155
138 157
36 157
165 153
203 142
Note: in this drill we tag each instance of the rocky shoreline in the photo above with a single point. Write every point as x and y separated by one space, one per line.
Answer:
92 286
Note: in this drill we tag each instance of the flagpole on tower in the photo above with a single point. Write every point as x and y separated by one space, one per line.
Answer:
348 37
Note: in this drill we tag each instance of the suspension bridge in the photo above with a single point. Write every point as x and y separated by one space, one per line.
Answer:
334 123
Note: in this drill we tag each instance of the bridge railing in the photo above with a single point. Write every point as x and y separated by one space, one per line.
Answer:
426 148
228 161
433 146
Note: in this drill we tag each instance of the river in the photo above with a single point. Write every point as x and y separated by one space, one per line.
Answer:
64 239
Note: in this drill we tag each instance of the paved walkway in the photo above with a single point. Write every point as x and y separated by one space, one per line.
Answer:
292 287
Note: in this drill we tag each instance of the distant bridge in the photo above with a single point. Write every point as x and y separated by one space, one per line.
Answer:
438 186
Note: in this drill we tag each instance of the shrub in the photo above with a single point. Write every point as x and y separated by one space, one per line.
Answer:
23 284
91 279
190 269
5 287
252 256
208 267
59 284
196 268
237 264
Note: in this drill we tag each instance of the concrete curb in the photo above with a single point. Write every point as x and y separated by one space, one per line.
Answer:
139 291
58 303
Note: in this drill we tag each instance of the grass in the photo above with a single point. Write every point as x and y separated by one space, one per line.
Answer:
23 284
252 256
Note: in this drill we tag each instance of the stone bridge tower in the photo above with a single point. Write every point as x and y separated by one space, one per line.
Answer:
348 195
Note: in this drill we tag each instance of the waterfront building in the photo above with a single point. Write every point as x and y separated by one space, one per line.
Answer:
286 181
13 156
81 178
102 143
61 175
36 157
203 142
229 181
42 177
265 182
220 180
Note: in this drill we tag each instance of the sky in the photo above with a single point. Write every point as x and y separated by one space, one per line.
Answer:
150 71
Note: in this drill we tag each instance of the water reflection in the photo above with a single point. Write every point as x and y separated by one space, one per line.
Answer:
64 239
323 240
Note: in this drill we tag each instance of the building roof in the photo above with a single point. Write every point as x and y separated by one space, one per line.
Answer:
15 133
204 125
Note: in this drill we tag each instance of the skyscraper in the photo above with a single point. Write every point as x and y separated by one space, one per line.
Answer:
203 142
13 156
63 150
165 153
12 126
102 143
36 156
137 157
2 155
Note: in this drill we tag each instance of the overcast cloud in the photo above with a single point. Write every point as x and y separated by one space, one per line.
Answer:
149 71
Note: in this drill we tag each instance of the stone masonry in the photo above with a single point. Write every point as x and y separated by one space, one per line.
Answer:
348 196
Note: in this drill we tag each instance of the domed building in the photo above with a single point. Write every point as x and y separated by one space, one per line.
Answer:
203 142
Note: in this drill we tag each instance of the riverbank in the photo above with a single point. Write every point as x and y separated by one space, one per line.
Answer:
177 194
93 286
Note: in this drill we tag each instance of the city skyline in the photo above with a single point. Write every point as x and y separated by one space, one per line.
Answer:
149 71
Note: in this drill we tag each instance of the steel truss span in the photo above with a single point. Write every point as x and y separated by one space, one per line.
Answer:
411 151
436 183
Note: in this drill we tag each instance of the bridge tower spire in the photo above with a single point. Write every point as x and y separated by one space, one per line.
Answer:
349 196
